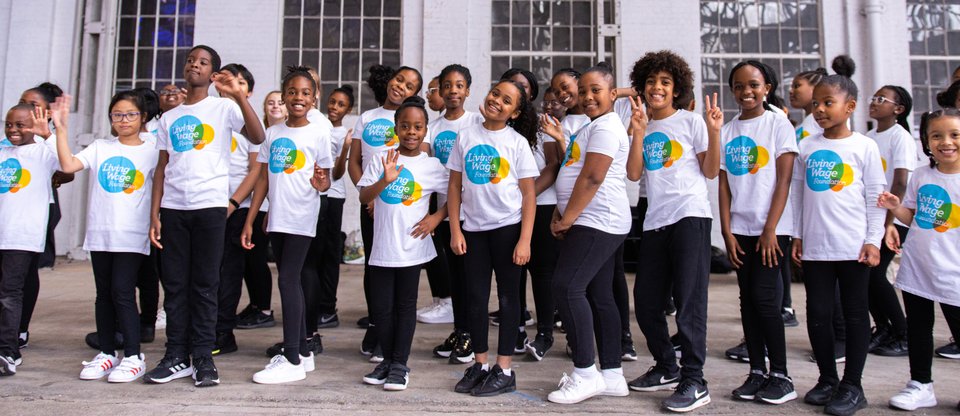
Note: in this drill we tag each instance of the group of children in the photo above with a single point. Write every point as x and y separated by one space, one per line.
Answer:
516 192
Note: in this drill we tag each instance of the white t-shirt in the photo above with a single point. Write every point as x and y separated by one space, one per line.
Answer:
316 116
750 151
836 212
492 163
676 187
897 151
929 266
609 210
240 149
549 195
571 125
337 187
5 142
400 206
25 189
374 129
197 138
290 154
808 127
442 135
121 183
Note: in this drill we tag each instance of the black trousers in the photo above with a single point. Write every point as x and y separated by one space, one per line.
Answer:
115 275
366 234
761 292
457 277
257 273
31 287
884 303
438 269
190 265
148 284
321 271
544 252
920 333
583 290
621 293
14 267
492 251
821 278
395 308
232 269
675 259
291 252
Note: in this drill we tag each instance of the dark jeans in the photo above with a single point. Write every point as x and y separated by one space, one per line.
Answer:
920 333
232 269
583 290
821 278
675 259
544 252
257 272
884 304
115 275
148 283
395 308
457 277
492 251
190 265
291 252
761 291
14 267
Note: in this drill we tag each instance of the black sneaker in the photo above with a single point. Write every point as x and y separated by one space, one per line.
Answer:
23 340
379 374
655 379
495 383
398 378
471 378
148 333
627 352
675 341
846 401
738 353
369 342
540 345
205 372
777 390
839 353
789 318
689 395
93 341
878 336
168 369
225 343
364 322
820 394
446 347
328 321
257 320
521 345
17 357
315 344
671 309
527 319
951 350
896 347
377 355
247 311
275 350
463 351
748 390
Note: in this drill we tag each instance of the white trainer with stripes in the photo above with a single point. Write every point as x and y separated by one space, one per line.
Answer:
100 366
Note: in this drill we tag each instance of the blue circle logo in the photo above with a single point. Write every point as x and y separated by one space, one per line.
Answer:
443 144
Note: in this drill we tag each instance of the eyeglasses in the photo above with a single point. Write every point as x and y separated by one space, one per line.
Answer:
118 117
428 91
169 92
880 100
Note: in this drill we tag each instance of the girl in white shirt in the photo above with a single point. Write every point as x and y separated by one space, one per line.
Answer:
929 271
837 233
890 106
492 173
296 166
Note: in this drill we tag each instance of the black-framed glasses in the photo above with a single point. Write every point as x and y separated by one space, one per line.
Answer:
880 100
118 117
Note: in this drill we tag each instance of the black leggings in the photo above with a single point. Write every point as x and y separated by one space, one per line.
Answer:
884 304
761 295
492 251
318 280
543 260
31 292
257 273
291 251
115 275
366 234
232 269
583 290
786 274
438 270
920 333
621 293
820 278
395 308
457 277
148 283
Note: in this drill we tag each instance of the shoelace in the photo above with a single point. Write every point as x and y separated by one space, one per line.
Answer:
97 361
567 383
276 361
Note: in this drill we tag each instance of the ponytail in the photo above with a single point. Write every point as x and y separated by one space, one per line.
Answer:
903 99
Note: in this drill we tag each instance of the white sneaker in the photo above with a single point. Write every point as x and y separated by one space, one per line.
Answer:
616 384
130 369
308 364
441 314
7 366
432 305
279 371
100 366
915 395
161 320
575 389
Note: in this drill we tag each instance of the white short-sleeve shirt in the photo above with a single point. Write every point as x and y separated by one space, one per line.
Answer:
25 189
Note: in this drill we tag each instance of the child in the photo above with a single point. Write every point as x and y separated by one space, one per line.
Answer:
118 218
756 221
296 148
434 97
274 112
26 170
400 187
564 86
890 106
801 97
374 133
498 208
677 152
190 200
928 268
592 218
551 106
837 238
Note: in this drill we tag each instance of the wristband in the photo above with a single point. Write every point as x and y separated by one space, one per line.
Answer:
234 203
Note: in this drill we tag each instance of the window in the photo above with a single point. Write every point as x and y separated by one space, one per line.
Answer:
342 39
153 40
544 36
784 34
934 49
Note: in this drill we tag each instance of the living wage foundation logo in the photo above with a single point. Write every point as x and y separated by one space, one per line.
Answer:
573 152
403 190
118 174
284 156
743 156
13 177
380 132
659 151
935 210
825 170
443 144
483 165
189 133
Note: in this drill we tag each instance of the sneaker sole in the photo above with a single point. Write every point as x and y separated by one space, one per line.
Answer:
6 372
695 405
786 398
615 393
441 354
376 359
744 397
461 360
510 389
912 406
105 374
298 377
260 325
222 351
434 320
127 380
374 382
563 400
187 372
333 324
394 387
948 356
532 352
660 387
628 357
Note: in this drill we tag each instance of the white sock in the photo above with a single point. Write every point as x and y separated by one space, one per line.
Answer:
612 372
520 328
485 366
507 371
266 312
586 373
788 310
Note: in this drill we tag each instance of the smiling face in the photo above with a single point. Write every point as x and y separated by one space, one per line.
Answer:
170 97
338 105
35 99
552 106
566 90
17 122
658 92
404 84
831 106
886 107
128 126
411 128
943 138
596 94
801 93
749 89
454 90
298 96
502 103
273 106
198 68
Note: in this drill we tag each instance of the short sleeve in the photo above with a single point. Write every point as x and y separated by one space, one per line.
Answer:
904 151
324 156
873 167
358 128
264 157
785 137
163 135
440 177
910 196
545 138
526 164
51 160
698 135
234 116
455 159
88 156
624 110
431 129
372 174
603 140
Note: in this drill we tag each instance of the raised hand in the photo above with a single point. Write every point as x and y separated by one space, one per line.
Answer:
391 171
227 84
712 113
551 127
60 110
41 126
639 117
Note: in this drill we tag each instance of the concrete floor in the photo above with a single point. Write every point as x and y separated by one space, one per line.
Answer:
47 382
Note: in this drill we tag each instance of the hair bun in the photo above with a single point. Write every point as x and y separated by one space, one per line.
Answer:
347 88
604 64
844 65
414 100
298 68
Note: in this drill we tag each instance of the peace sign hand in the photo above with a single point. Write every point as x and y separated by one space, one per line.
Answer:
713 115
639 116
